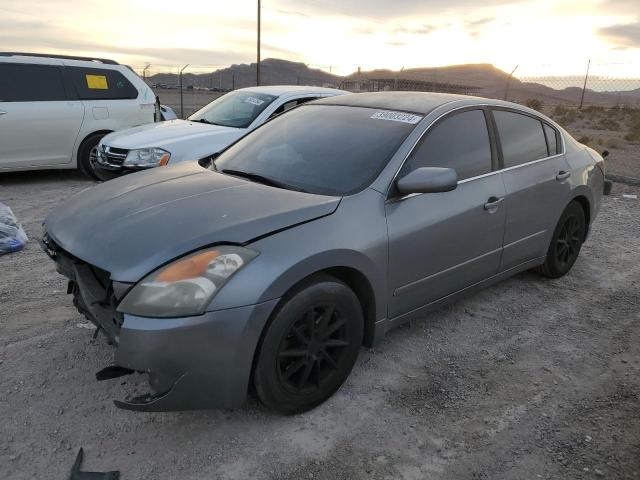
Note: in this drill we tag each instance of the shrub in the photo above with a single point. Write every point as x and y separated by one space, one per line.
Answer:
612 143
533 103
560 111
609 124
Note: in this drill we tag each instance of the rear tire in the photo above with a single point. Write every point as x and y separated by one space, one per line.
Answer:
309 347
86 156
566 242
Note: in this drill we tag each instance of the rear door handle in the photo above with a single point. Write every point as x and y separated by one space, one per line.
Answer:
562 175
2 113
493 203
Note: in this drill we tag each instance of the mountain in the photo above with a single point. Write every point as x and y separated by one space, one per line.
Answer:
272 72
483 80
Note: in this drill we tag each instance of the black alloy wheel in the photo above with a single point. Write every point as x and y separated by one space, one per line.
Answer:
309 346
566 242
312 349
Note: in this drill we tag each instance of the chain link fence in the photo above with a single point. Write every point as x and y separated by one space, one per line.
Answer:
599 106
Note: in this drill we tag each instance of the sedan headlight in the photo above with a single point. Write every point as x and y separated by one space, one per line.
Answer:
186 286
147 157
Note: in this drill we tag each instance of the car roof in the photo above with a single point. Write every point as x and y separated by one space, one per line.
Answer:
415 102
280 90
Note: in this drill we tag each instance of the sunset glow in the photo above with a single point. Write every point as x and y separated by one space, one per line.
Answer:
541 36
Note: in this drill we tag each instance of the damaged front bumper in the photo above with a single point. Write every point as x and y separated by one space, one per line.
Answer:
195 362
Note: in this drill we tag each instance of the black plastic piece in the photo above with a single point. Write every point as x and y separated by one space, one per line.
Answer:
608 184
112 371
76 474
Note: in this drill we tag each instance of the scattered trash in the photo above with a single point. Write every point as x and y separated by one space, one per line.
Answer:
630 195
88 325
12 236
76 474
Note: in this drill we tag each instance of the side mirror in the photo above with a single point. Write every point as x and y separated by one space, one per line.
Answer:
207 161
428 180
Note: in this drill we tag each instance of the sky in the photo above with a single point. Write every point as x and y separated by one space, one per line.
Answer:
542 37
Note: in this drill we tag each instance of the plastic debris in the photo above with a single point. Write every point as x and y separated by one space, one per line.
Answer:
12 236
76 474
630 195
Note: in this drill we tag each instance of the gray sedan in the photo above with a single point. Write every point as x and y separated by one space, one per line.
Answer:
271 264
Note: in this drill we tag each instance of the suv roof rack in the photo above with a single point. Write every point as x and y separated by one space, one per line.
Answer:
65 57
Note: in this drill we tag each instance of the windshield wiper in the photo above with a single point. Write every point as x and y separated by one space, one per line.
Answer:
204 120
256 177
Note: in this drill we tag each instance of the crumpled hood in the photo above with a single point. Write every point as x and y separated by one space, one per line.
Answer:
170 134
132 225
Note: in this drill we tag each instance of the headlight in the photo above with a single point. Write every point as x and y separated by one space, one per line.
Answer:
147 157
185 287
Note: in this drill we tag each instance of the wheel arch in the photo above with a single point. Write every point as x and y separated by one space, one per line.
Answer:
581 196
84 140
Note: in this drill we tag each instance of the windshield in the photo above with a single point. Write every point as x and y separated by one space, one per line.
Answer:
235 109
322 149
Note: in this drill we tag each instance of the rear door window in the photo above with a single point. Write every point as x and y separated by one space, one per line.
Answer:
521 136
101 84
31 83
460 141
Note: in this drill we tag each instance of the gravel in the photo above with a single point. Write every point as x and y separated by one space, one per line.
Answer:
532 378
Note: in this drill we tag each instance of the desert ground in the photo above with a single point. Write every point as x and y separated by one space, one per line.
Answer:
532 378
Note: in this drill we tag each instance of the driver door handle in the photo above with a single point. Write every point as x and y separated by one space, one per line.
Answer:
493 203
2 113
562 175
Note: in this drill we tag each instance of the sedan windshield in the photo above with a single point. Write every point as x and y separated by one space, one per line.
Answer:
322 149
235 109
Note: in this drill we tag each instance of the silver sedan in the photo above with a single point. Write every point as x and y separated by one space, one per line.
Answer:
273 262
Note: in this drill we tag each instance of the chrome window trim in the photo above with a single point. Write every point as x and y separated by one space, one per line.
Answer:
479 105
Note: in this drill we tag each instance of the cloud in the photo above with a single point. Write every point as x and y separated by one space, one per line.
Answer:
34 36
422 30
619 6
383 9
291 12
624 35
480 22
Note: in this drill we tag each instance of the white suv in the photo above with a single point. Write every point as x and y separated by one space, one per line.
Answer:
55 109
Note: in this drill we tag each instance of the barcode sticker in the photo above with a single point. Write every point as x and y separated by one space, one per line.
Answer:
397 117
254 101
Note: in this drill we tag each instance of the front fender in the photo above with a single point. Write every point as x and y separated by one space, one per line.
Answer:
289 256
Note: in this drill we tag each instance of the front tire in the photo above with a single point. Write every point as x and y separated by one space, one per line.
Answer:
566 242
310 346
87 156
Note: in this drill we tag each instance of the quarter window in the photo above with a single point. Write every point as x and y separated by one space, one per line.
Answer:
101 84
521 136
552 139
460 141
290 104
31 83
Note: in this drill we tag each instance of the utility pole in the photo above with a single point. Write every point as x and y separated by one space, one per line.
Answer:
584 87
144 72
258 62
506 89
181 102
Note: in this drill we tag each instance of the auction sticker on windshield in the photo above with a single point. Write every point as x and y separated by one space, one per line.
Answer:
254 101
397 116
